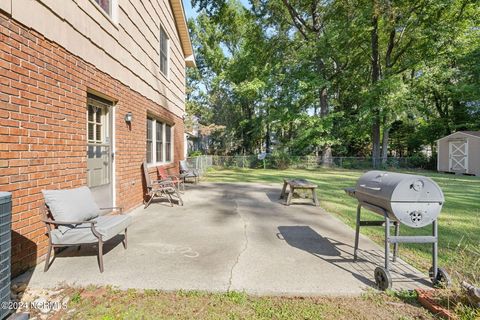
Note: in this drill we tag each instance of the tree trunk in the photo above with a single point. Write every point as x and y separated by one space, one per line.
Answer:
375 77
267 139
323 101
327 156
386 131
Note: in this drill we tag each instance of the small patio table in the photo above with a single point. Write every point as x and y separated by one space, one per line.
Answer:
298 184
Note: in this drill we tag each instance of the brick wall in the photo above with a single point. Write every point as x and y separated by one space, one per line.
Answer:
43 95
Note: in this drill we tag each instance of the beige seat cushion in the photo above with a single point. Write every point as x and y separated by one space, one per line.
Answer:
108 226
71 204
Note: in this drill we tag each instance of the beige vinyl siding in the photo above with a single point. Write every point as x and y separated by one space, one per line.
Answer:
443 156
126 49
474 156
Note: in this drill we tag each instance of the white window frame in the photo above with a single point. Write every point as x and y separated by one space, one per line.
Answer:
167 39
112 16
155 123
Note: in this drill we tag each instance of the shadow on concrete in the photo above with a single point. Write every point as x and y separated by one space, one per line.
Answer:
307 239
340 255
88 249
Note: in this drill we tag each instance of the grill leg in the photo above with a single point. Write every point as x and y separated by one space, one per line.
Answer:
395 245
387 242
357 233
435 249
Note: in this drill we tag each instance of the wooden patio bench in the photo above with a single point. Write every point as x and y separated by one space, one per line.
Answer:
298 184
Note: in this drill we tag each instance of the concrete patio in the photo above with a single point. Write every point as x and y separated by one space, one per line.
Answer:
231 237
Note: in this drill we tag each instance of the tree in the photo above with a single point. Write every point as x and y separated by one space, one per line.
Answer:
341 76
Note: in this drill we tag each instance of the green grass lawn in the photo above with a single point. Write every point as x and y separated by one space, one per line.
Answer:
459 226
106 303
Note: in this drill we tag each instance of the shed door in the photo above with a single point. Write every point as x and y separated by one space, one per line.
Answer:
99 152
458 154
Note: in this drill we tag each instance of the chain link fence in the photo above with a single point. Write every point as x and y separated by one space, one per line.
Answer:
202 163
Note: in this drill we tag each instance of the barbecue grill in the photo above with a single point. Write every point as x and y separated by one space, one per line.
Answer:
412 200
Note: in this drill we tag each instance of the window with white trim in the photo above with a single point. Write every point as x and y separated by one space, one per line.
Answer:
159 142
106 5
163 52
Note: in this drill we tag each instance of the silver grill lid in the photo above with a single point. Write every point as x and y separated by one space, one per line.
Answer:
399 187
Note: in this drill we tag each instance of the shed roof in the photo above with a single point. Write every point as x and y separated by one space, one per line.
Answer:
475 134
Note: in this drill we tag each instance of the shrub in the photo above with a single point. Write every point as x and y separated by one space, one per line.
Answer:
195 153
279 160
418 160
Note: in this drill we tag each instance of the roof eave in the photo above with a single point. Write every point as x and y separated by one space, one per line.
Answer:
190 61
459 132
182 28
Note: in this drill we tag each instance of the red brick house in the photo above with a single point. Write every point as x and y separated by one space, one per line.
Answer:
72 74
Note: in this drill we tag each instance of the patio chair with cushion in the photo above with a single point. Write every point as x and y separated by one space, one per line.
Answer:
186 172
175 179
73 218
159 189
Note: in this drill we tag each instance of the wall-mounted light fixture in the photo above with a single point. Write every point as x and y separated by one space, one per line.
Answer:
128 117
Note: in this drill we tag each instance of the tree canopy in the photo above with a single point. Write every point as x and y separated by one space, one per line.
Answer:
342 77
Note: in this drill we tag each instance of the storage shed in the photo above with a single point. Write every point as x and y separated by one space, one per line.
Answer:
459 152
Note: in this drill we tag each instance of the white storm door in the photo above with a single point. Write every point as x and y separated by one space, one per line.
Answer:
458 151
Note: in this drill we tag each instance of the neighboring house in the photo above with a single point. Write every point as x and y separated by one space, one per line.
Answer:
88 90
192 134
459 152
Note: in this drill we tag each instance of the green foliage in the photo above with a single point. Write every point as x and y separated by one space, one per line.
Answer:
76 297
421 161
298 76
408 296
235 297
279 160
195 153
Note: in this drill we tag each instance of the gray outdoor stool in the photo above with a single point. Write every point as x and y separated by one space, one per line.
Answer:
73 218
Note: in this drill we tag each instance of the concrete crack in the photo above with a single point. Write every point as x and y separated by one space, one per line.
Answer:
245 246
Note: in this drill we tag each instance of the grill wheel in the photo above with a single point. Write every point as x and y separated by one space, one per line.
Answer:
383 278
442 280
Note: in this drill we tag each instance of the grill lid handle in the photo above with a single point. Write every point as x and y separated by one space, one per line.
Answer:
371 188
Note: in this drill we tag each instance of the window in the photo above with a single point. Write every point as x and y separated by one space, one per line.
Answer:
168 143
150 124
159 142
163 52
95 134
106 5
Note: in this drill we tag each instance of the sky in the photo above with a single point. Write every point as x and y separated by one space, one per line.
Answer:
191 13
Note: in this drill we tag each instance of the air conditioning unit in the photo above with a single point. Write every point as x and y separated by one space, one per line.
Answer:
5 248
